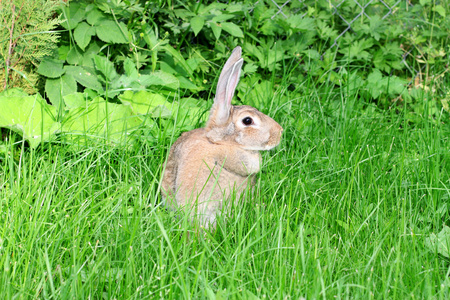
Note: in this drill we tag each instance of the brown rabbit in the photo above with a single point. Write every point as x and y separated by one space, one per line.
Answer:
206 165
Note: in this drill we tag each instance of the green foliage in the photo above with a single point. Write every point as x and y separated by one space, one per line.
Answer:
80 121
29 116
173 51
26 36
440 242
306 33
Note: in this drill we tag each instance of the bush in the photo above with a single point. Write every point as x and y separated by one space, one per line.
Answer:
157 57
26 37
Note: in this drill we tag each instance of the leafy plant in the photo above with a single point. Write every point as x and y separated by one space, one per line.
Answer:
83 120
25 38
440 242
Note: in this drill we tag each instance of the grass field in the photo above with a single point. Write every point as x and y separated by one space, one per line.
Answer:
343 208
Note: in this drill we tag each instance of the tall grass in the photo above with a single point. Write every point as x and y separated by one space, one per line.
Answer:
341 209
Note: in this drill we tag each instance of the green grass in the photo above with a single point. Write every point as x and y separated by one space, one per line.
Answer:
341 209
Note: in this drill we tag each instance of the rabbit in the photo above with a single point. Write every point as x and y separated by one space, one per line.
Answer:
207 166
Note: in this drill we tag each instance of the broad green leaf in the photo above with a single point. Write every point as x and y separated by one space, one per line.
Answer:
63 51
232 29
440 242
84 77
270 27
440 10
75 100
88 55
72 15
147 103
424 2
183 13
250 68
74 57
395 84
51 68
222 18
376 28
29 116
112 32
213 6
130 68
357 50
161 78
14 92
186 83
216 29
58 88
105 67
177 56
257 94
95 17
197 24
99 119
299 23
83 34
126 82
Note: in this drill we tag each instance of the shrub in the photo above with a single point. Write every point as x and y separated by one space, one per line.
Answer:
26 37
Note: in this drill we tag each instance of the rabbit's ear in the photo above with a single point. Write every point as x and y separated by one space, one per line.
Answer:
228 80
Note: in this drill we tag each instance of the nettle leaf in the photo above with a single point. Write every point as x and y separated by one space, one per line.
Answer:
83 34
84 77
183 13
88 55
130 68
74 57
29 116
56 89
197 24
105 67
222 18
440 242
51 68
99 119
232 29
73 14
95 17
62 51
216 29
112 32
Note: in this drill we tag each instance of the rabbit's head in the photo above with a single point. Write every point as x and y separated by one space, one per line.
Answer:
243 125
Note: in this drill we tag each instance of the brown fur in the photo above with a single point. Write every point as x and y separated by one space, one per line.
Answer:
206 165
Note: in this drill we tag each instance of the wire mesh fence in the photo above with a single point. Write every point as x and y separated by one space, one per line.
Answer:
359 10
347 13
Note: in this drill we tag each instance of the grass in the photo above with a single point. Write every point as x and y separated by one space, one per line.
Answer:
342 209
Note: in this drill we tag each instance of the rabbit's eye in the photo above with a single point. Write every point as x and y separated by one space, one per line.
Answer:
247 121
